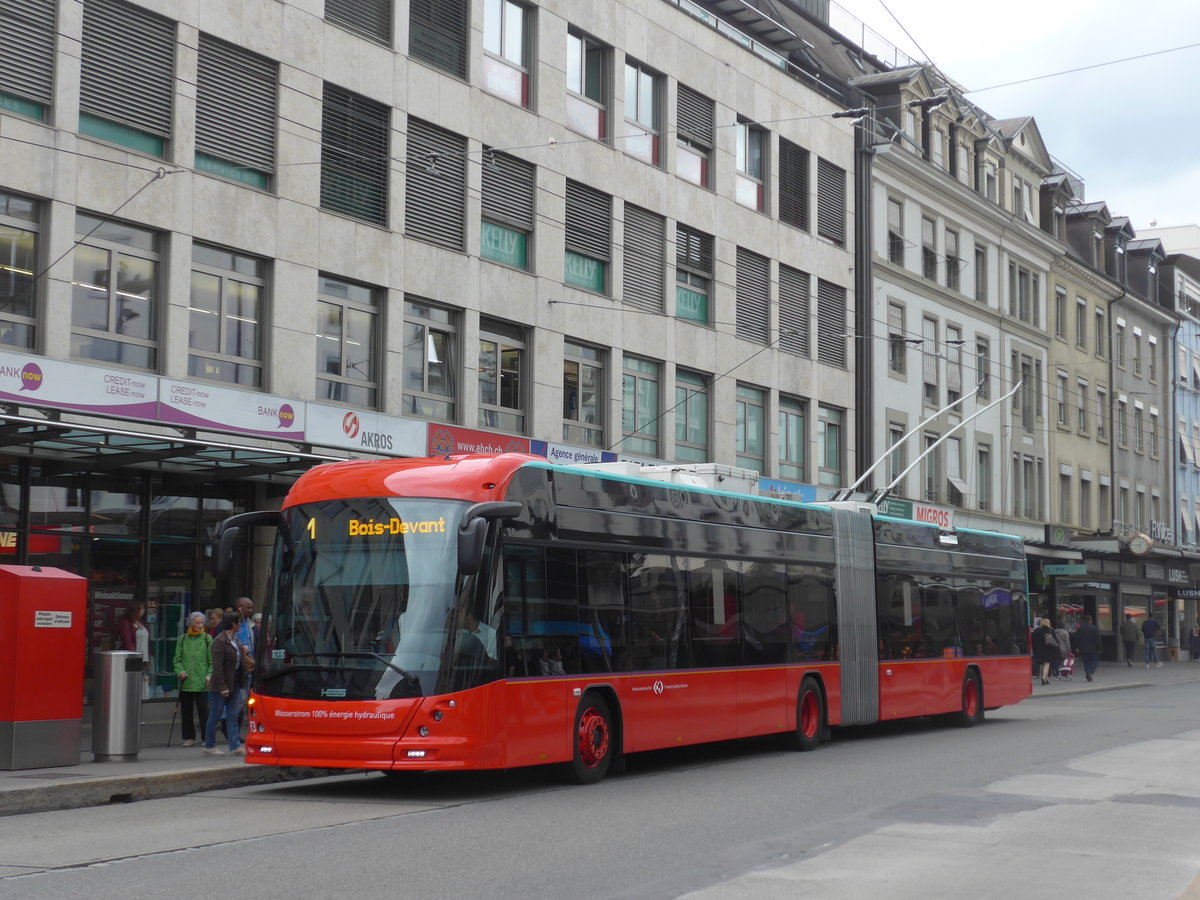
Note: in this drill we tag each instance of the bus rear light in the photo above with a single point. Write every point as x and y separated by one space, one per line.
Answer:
266 749
423 731
416 754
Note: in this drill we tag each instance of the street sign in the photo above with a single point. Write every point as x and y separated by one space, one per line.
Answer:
1064 570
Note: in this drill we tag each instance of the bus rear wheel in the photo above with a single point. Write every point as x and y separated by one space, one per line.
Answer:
593 739
972 701
810 716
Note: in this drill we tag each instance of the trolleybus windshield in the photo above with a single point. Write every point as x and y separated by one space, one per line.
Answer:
364 604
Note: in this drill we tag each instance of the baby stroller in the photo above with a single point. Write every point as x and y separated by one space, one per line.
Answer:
1066 668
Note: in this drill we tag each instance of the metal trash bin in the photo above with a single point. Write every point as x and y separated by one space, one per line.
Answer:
117 706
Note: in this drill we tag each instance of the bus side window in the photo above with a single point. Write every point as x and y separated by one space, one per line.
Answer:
810 606
713 592
562 620
602 612
764 614
525 610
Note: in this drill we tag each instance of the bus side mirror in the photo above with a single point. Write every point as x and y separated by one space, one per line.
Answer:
224 551
472 531
227 535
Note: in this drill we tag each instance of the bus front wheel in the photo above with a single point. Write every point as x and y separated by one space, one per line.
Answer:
593 739
810 716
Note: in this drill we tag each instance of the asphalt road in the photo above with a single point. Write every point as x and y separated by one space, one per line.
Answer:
1079 795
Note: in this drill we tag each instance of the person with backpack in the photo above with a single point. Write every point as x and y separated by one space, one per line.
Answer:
193 667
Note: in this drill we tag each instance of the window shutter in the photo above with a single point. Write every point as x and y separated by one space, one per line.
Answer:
831 324
235 105
753 293
693 250
645 259
794 310
695 115
370 18
27 63
354 155
435 207
793 184
508 185
437 34
589 222
127 68
831 201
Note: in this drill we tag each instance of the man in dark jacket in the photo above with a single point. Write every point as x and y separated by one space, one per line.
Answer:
1150 629
223 693
1087 639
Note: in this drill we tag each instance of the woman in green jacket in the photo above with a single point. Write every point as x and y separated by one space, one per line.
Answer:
193 666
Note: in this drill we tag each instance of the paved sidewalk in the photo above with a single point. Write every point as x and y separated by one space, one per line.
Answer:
171 771
163 768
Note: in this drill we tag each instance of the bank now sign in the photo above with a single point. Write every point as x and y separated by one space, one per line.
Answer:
941 516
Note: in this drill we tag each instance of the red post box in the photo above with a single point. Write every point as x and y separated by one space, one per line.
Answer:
44 611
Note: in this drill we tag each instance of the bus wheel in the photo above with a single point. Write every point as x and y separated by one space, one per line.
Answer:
810 716
593 740
972 701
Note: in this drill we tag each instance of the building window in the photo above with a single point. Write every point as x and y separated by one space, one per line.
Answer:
19 247
693 274
1085 503
347 360
983 476
1119 345
639 406
371 19
588 238
506 209
897 339
583 394
1153 434
1060 388
1060 312
1137 353
929 361
983 367
1101 333
114 302
831 202
831 323
691 416
235 113
354 156
981 279
1081 321
430 359
501 376
1081 405
127 76
751 158
435 202
897 457
830 450
506 30
694 137
931 470
586 97
1101 414
928 249
1152 360
1139 430
953 355
645 258
956 485
793 437
753 286
437 33
750 427
793 184
953 263
225 316
1122 425
895 249
643 112
794 323
27 65
1064 498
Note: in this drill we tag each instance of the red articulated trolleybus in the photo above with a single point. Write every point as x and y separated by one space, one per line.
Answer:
488 612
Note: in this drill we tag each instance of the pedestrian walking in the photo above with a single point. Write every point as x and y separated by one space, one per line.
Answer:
1087 638
1150 629
1194 642
193 667
1045 650
1129 637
